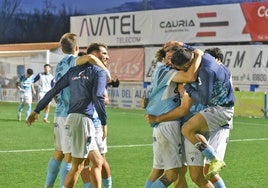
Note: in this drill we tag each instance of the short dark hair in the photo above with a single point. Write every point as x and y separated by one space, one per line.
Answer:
95 47
47 65
29 71
181 56
82 53
215 52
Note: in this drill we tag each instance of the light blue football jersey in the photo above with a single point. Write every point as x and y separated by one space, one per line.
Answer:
64 96
164 95
26 85
96 120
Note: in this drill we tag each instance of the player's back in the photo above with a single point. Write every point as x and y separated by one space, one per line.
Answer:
164 94
63 99
87 85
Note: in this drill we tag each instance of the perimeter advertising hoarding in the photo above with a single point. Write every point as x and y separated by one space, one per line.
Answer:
218 23
127 63
248 63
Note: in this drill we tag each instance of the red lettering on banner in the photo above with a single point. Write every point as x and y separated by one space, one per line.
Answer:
256 15
206 14
206 34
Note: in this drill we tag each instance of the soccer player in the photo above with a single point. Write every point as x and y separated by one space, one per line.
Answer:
219 138
26 91
167 144
101 51
214 90
45 83
87 86
62 151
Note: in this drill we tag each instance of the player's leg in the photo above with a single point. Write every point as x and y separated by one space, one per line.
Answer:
54 162
195 162
20 108
154 175
53 168
46 113
106 173
192 129
85 174
65 167
95 172
171 150
158 164
102 146
181 180
64 140
218 140
73 175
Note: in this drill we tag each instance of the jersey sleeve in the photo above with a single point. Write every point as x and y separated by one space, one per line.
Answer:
62 83
98 96
37 77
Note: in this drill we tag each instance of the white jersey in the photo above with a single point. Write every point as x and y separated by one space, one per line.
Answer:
45 81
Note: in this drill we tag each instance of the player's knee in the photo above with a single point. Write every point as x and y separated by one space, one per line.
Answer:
98 162
171 175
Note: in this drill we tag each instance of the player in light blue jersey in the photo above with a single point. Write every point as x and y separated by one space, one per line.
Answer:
167 143
61 158
218 139
87 86
214 90
26 89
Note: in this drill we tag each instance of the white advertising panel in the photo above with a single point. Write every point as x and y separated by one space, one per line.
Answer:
202 24
248 64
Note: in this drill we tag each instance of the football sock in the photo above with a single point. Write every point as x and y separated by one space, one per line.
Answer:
148 184
64 169
107 183
45 116
87 185
52 171
206 150
158 184
219 183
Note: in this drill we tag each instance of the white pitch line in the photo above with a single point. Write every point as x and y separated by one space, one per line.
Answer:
124 146
249 139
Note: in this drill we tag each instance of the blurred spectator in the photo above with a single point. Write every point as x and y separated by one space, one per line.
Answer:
114 82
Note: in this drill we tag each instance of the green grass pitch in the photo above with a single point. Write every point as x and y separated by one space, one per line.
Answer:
25 151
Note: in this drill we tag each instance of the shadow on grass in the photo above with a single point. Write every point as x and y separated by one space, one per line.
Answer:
10 120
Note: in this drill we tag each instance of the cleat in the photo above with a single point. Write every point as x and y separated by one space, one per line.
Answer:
214 168
46 121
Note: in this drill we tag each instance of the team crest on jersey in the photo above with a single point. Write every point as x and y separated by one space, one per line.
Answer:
81 75
199 81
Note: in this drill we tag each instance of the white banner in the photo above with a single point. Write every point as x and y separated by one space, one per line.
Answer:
126 96
247 63
202 24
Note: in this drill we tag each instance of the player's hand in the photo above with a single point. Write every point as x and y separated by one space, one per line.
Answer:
104 130
150 118
32 118
143 102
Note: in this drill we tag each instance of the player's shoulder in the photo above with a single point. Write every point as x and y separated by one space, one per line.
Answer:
96 68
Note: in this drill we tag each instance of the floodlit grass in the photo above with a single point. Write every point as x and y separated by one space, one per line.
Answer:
25 151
